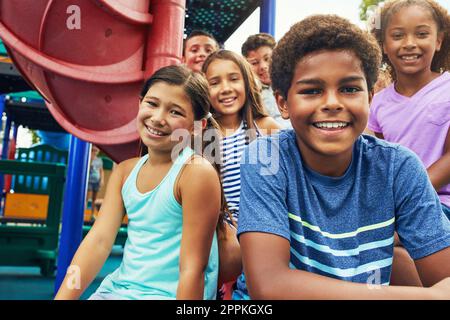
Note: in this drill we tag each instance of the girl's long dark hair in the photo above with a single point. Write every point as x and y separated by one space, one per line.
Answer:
196 88
253 108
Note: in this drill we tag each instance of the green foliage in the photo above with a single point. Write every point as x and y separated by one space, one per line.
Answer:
365 4
34 137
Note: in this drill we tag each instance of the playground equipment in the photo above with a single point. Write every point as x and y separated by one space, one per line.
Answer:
28 204
30 245
39 153
29 230
89 59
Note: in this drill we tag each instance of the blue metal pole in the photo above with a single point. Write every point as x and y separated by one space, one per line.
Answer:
5 149
74 203
2 109
267 16
2 104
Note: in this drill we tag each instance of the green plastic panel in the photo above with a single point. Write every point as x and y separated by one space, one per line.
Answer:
30 244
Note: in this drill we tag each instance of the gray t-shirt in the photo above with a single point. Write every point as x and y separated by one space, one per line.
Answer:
94 170
270 104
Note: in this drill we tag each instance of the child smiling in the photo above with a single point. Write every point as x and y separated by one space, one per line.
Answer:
322 226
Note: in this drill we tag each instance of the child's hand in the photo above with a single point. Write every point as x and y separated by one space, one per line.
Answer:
441 290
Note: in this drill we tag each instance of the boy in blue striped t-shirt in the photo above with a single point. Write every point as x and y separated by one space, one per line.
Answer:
321 224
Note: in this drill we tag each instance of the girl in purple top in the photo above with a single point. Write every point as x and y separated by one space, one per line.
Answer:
415 109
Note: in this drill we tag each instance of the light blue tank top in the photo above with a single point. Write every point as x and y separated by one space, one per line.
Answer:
150 266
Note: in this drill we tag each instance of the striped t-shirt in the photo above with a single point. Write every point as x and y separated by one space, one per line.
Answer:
231 148
342 227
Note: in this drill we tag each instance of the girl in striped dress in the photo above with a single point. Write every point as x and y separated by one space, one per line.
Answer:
237 107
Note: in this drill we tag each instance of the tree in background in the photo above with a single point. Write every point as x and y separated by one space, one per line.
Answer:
34 137
366 9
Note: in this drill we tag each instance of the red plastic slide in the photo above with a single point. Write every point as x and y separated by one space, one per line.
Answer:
89 58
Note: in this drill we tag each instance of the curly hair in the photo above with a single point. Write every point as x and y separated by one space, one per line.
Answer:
322 32
441 59
257 41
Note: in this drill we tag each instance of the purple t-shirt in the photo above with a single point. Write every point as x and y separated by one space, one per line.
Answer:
420 122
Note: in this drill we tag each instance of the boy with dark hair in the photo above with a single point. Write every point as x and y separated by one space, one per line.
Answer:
322 225
257 49
197 47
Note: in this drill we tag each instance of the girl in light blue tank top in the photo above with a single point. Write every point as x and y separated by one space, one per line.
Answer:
155 223
174 202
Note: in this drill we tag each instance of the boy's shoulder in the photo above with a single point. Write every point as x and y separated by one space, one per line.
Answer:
284 136
381 153
272 152
267 124
371 143
282 141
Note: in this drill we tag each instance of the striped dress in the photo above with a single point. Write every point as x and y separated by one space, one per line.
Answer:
231 149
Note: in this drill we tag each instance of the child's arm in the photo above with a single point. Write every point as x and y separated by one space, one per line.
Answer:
96 246
199 190
102 173
266 266
230 257
267 125
439 172
434 267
